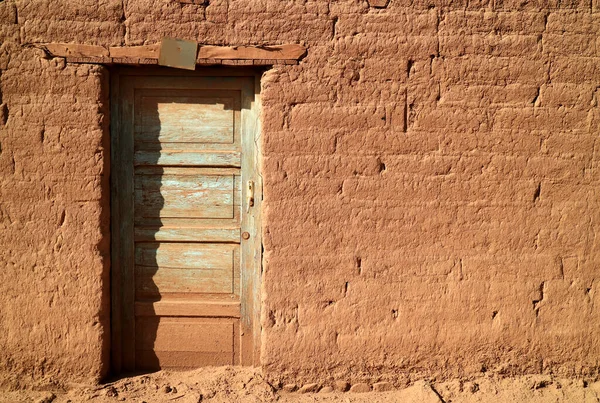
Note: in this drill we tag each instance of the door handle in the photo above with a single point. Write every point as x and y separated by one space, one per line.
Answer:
249 196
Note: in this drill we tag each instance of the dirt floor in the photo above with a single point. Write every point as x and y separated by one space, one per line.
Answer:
229 384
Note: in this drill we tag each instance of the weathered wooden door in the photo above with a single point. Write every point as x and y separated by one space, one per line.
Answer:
186 249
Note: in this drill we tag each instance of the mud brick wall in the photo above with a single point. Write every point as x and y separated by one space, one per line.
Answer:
431 185
53 212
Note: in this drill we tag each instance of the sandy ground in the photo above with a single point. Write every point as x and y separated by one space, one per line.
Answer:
230 384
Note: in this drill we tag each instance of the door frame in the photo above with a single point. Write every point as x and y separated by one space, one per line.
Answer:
122 280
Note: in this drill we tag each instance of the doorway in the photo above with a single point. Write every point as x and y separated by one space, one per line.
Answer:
185 218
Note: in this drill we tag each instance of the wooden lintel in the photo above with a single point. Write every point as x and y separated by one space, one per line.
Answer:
89 59
141 52
263 55
75 50
276 52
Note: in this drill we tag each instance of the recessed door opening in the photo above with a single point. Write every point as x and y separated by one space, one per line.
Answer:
185 213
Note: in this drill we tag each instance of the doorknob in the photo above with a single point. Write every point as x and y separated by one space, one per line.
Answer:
249 196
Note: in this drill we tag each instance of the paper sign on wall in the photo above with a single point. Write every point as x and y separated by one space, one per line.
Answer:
178 53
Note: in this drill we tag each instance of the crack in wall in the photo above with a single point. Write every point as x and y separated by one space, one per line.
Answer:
537 302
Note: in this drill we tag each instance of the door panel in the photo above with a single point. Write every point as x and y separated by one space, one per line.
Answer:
181 119
183 156
181 342
184 196
163 268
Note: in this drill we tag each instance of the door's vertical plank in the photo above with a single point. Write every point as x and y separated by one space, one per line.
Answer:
251 247
115 194
257 269
127 257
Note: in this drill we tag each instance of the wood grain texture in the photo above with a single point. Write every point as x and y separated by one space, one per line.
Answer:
184 334
200 196
152 282
188 308
185 119
115 239
135 54
275 52
143 52
222 158
251 248
182 233
75 50
170 342
125 180
185 255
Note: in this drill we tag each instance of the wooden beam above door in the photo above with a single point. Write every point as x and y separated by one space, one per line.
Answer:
148 54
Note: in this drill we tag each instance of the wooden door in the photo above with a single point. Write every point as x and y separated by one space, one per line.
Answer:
186 249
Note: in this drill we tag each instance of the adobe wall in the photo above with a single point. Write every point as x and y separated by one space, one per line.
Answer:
431 175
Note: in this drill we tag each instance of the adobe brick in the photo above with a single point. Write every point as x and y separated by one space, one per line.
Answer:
569 192
303 189
301 142
484 70
88 188
330 117
563 299
325 166
385 141
426 165
556 168
107 33
67 115
410 23
442 4
484 22
276 27
453 119
479 190
369 92
216 11
478 96
580 269
84 10
516 5
377 69
566 94
168 11
381 45
22 86
569 144
294 8
273 119
530 266
491 44
312 295
515 141
569 22
570 44
8 13
140 32
296 93
394 264
540 118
